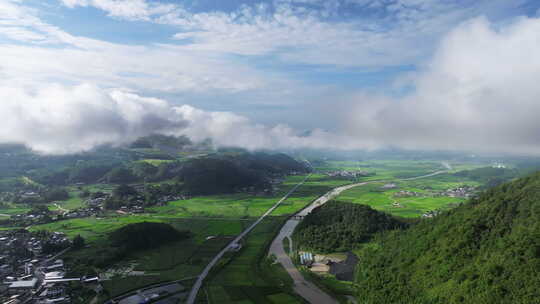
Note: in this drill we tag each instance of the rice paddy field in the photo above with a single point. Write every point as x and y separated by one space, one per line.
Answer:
389 169
245 279
388 200
244 205
179 260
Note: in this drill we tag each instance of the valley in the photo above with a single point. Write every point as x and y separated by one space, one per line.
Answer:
236 239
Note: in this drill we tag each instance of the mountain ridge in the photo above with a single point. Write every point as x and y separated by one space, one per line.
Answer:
484 251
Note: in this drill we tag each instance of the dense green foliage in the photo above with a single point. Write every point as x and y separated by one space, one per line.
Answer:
146 235
211 175
339 226
214 173
43 196
232 173
143 170
489 176
158 141
120 175
78 242
485 251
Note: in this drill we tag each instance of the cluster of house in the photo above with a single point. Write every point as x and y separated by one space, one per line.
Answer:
407 193
131 209
96 202
463 191
348 174
29 194
136 204
499 166
42 282
272 188
30 218
83 212
24 242
431 213
389 186
169 198
306 258
341 268
27 275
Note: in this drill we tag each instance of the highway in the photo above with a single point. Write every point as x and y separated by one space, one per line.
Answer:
304 288
195 289
307 290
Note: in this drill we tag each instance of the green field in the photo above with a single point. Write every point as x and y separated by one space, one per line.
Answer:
390 169
13 209
217 215
156 162
243 205
92 228
378 198
174 261
247 277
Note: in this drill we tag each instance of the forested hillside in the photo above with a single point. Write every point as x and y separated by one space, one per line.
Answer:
232 173
208 174
339 226
485 251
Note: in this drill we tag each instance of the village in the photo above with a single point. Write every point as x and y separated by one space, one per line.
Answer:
348 174
463 191
30 270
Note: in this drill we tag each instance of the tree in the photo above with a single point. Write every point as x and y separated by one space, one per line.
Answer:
55 194
120 175
124 191
113 203
78 242
84 194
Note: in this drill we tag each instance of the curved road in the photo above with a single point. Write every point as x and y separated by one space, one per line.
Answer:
304 288
204 273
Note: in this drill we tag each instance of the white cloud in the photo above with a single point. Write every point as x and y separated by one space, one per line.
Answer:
59 119
66 119
55 55
480 92
156 68
301 31
21 34
128 9
229 129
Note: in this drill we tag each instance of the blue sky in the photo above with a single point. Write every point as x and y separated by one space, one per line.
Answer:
311 62
290 62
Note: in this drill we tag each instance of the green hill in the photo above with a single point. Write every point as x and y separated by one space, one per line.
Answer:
146 235
485 251
339 226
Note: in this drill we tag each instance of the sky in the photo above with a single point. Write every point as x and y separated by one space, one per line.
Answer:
343 74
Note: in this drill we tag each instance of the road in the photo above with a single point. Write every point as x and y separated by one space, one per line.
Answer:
204 273
304 288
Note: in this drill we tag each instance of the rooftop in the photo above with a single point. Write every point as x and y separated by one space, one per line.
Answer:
24 284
